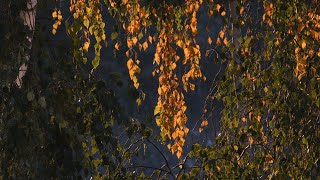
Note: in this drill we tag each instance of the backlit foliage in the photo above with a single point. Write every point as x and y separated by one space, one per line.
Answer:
266 95
137 18
271 58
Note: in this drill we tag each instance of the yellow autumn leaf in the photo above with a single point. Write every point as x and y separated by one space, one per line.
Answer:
116 46
179 153
218 7
243 119
136 85
54 31
303 44
204 123
86 23
86 46
169 146
186 53
269 159
134 40
174 135
258 118
156 110
174 148
192 87
130 64
241 10
129 43
140 46
173 66
180 43
150 39
89 11
218 42
218 168
250 140
181 133
225 41
209 40
55 26
54 14
186 130
221 34
145 45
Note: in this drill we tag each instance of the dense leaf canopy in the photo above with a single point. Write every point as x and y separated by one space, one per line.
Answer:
66 120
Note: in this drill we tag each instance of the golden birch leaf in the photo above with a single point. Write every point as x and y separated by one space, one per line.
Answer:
134 40
54 14
209 40
86 46
116 46
145 45
303 44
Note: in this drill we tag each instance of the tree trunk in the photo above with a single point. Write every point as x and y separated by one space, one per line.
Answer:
29 19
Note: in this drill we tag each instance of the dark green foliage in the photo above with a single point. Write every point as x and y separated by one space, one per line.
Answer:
66 122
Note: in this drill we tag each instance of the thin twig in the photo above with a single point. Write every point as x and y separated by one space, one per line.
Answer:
167 163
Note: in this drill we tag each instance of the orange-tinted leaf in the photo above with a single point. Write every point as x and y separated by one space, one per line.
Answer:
179 153
116 46
150 39
209 40
250 140
145 45
134 40
86 46
204 123
241 10
54 14
303 44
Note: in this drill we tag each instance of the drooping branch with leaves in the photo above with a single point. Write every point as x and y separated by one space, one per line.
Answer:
267 88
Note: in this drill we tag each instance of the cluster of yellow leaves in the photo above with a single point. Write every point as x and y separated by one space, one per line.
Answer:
305 30
192 56
191 50
137 16
88 14
170 109
192 8
309 26
267 16
203 124
57 16
219 9
133 69
171 105
222 39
